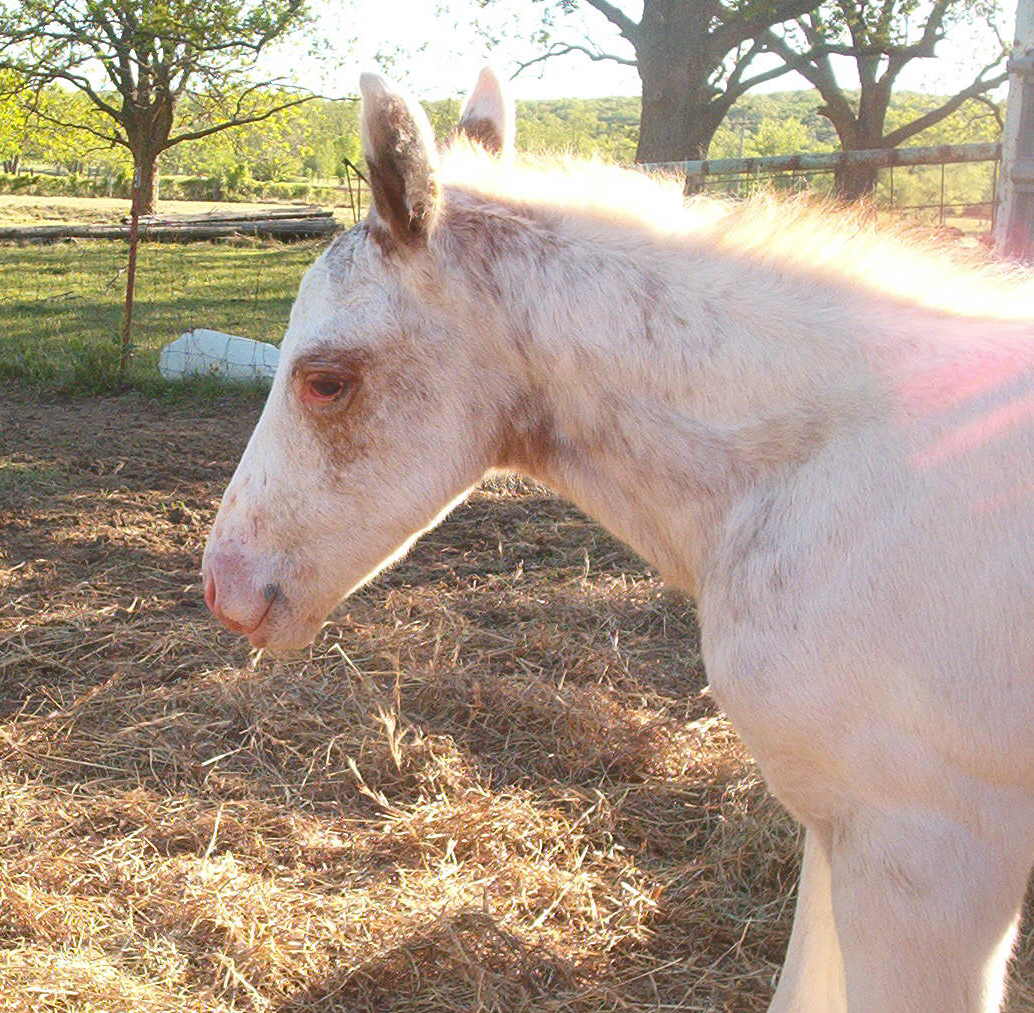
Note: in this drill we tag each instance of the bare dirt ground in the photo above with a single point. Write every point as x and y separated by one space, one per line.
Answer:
496 783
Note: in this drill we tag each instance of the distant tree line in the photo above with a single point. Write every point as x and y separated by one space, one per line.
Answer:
318 139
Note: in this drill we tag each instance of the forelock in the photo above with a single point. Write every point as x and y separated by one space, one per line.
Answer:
340 256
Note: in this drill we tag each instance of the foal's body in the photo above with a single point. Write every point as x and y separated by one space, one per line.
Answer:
853 515
840 472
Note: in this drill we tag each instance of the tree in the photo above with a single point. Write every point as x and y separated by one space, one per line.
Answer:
67 146
692 58
14 123
881 39
149 54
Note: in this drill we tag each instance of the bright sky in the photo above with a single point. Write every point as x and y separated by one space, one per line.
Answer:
437 47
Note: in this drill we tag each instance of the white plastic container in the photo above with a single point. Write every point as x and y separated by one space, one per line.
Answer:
201 352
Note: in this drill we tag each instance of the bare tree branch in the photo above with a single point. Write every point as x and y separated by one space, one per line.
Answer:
979 87
815 67
994 109
628 28
750 25
236 121
563 49
110 140
768 75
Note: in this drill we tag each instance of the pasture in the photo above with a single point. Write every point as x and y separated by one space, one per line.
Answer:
61 305
497 782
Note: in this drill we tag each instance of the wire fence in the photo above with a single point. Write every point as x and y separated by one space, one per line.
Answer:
61 304
936 196
947 185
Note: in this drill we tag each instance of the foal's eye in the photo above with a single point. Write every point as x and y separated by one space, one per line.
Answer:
323 388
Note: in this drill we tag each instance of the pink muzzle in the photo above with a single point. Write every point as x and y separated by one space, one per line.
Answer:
233 592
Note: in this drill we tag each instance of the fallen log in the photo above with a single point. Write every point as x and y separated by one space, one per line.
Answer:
281 228
221 216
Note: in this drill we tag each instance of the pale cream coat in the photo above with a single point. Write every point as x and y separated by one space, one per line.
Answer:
825 435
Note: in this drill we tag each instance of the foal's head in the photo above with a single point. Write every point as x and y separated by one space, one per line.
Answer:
390 401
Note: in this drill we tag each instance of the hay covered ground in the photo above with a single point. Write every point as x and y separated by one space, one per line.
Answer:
496 783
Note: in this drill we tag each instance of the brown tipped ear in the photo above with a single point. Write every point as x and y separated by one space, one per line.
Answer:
488 116
400 152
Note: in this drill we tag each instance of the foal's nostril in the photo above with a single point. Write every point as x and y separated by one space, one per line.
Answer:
233 595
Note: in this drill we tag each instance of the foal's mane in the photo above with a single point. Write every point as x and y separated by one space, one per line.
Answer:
902 260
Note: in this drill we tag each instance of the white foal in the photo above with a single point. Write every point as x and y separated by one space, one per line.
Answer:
824 435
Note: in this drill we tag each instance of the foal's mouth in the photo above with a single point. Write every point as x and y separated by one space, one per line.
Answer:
256 635
281 631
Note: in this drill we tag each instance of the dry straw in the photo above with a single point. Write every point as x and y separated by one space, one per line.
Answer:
497 783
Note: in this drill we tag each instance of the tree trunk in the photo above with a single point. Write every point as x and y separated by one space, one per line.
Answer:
145 190
855 182
678 120
145 194
12 164
857 132
672 126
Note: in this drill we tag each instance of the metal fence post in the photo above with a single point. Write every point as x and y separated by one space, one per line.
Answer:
1014 226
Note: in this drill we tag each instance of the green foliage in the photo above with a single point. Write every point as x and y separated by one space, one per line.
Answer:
14 119
607 127
310 140
173 41
896 25
70 185
221 186
783 123
310 143
297 154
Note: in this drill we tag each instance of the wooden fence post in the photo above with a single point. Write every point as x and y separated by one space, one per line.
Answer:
1014 224
127 309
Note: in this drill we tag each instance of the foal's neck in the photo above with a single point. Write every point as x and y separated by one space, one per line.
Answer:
663 388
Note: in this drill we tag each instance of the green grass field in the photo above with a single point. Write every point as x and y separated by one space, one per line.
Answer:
61 305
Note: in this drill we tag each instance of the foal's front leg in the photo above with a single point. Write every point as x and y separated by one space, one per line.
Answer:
812 979
926 911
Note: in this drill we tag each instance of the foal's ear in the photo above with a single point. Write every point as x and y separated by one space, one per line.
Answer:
400 153
488 117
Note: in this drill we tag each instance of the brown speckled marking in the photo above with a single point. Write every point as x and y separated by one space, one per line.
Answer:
339 426
527 440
